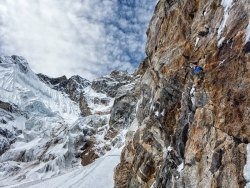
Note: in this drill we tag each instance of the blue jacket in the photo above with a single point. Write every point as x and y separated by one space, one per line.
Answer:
198 69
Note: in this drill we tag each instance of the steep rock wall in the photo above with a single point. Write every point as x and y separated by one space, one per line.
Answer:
183 135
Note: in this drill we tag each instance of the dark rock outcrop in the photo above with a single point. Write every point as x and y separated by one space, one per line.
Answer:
6 139
122 113
54 82
8 107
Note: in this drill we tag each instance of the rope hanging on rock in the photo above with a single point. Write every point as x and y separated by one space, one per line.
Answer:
227 83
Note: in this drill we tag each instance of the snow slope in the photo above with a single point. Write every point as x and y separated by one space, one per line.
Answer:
96 175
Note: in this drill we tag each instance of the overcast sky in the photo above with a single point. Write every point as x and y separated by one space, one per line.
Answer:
67 37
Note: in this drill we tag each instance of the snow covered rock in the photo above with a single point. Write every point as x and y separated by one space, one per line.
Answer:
56 83
110 84
73 87
8 107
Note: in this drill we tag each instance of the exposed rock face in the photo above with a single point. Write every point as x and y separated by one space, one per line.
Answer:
181 133
123 111
5 106
6 138
54 82
8 107
142 67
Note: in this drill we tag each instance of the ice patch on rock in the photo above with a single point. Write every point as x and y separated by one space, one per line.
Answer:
153 185
192 90
170 148
163 112
180 167
156 113
248 33
227 4
221 63
197 40
220 41
205 13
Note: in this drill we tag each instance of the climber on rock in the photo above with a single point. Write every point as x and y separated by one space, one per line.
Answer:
199 72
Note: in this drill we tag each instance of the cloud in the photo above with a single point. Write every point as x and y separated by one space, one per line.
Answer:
85 37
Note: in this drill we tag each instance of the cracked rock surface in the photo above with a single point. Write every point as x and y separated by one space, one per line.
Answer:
182 132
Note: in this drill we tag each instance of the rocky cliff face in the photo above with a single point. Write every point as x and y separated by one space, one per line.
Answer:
176 133
184 135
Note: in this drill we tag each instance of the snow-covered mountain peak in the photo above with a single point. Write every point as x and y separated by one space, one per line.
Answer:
21 86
